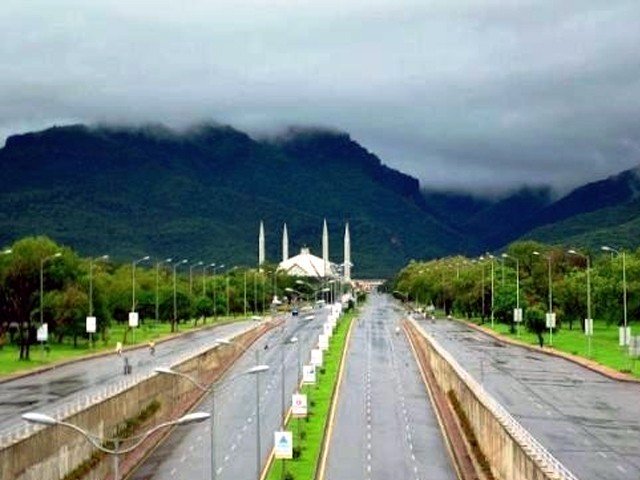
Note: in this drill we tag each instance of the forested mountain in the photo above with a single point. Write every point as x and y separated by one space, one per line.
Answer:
200 195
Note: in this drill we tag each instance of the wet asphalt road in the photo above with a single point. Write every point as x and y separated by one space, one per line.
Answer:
589 422
186 452
47 391
385 427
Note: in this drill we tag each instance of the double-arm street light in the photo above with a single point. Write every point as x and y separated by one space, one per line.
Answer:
625 333
158 264
517 314
588 324
211 389
98 442
550 315
213 277
42 262
204 277
103 258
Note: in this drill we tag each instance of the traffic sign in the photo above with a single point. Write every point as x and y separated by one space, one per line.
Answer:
316 357
43 333
298 405
283 445
309 374
133 319
91 324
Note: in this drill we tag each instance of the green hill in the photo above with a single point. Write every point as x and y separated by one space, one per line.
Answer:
201 194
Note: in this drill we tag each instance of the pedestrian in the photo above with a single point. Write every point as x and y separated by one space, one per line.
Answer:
152 348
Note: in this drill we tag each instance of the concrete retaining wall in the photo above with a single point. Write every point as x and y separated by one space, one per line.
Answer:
512 452
50 453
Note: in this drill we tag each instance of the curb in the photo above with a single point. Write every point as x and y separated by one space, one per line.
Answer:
105 353
594 367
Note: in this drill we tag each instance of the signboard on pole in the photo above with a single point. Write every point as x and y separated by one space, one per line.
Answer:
588 326
323 342
327 329
551 320
316 357
283 442
298 405
634 346
309 374
91 324
133 319
624 334
43 333
517 315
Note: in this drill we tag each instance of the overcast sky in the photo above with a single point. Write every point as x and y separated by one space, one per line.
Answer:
474 95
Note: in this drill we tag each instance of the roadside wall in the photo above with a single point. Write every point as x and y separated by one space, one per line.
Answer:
51 453
512 452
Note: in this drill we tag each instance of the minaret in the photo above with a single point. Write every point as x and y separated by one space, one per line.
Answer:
285 244
261 245
347 254
325 247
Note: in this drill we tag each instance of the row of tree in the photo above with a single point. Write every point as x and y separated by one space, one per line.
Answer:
544 274
73 288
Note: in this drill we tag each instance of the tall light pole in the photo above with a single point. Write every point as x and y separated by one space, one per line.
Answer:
191 267
133 280
42 262
482 289
167 260
625 334
175 290
98 442
211 389
215 306
517 316
245 292
588 320
491 257
104 258
550 290
204 278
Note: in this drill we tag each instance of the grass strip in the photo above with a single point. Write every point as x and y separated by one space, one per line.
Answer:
308 433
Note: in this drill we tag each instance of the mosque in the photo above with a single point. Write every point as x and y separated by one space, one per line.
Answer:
305 264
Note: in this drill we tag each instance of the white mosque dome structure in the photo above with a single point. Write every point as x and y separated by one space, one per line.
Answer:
305 264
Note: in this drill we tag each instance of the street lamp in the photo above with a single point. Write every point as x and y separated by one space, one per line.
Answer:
551 320
588 326
482 288
517 314
213 277
104 258
133 280
158 264
200 263
290 341
98 442
625 336
210 389
204 278
42 262
175 289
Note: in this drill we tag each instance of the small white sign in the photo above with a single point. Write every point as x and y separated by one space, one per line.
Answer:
588 326
283 442
634 346
327 329
91 324
550 320
517 315
624 335
316 357
43 333
133 319
298 405
323 342
308 374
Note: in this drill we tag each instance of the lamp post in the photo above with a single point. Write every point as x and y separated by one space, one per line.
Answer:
191 267
103 258
625 334
210 389
168 260
204 277
98 442
588 320
175 290
245 293
482 287
133 280
517 316
550 290
213 277
491 257
42 262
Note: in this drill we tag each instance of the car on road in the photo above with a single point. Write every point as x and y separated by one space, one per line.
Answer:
294 312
